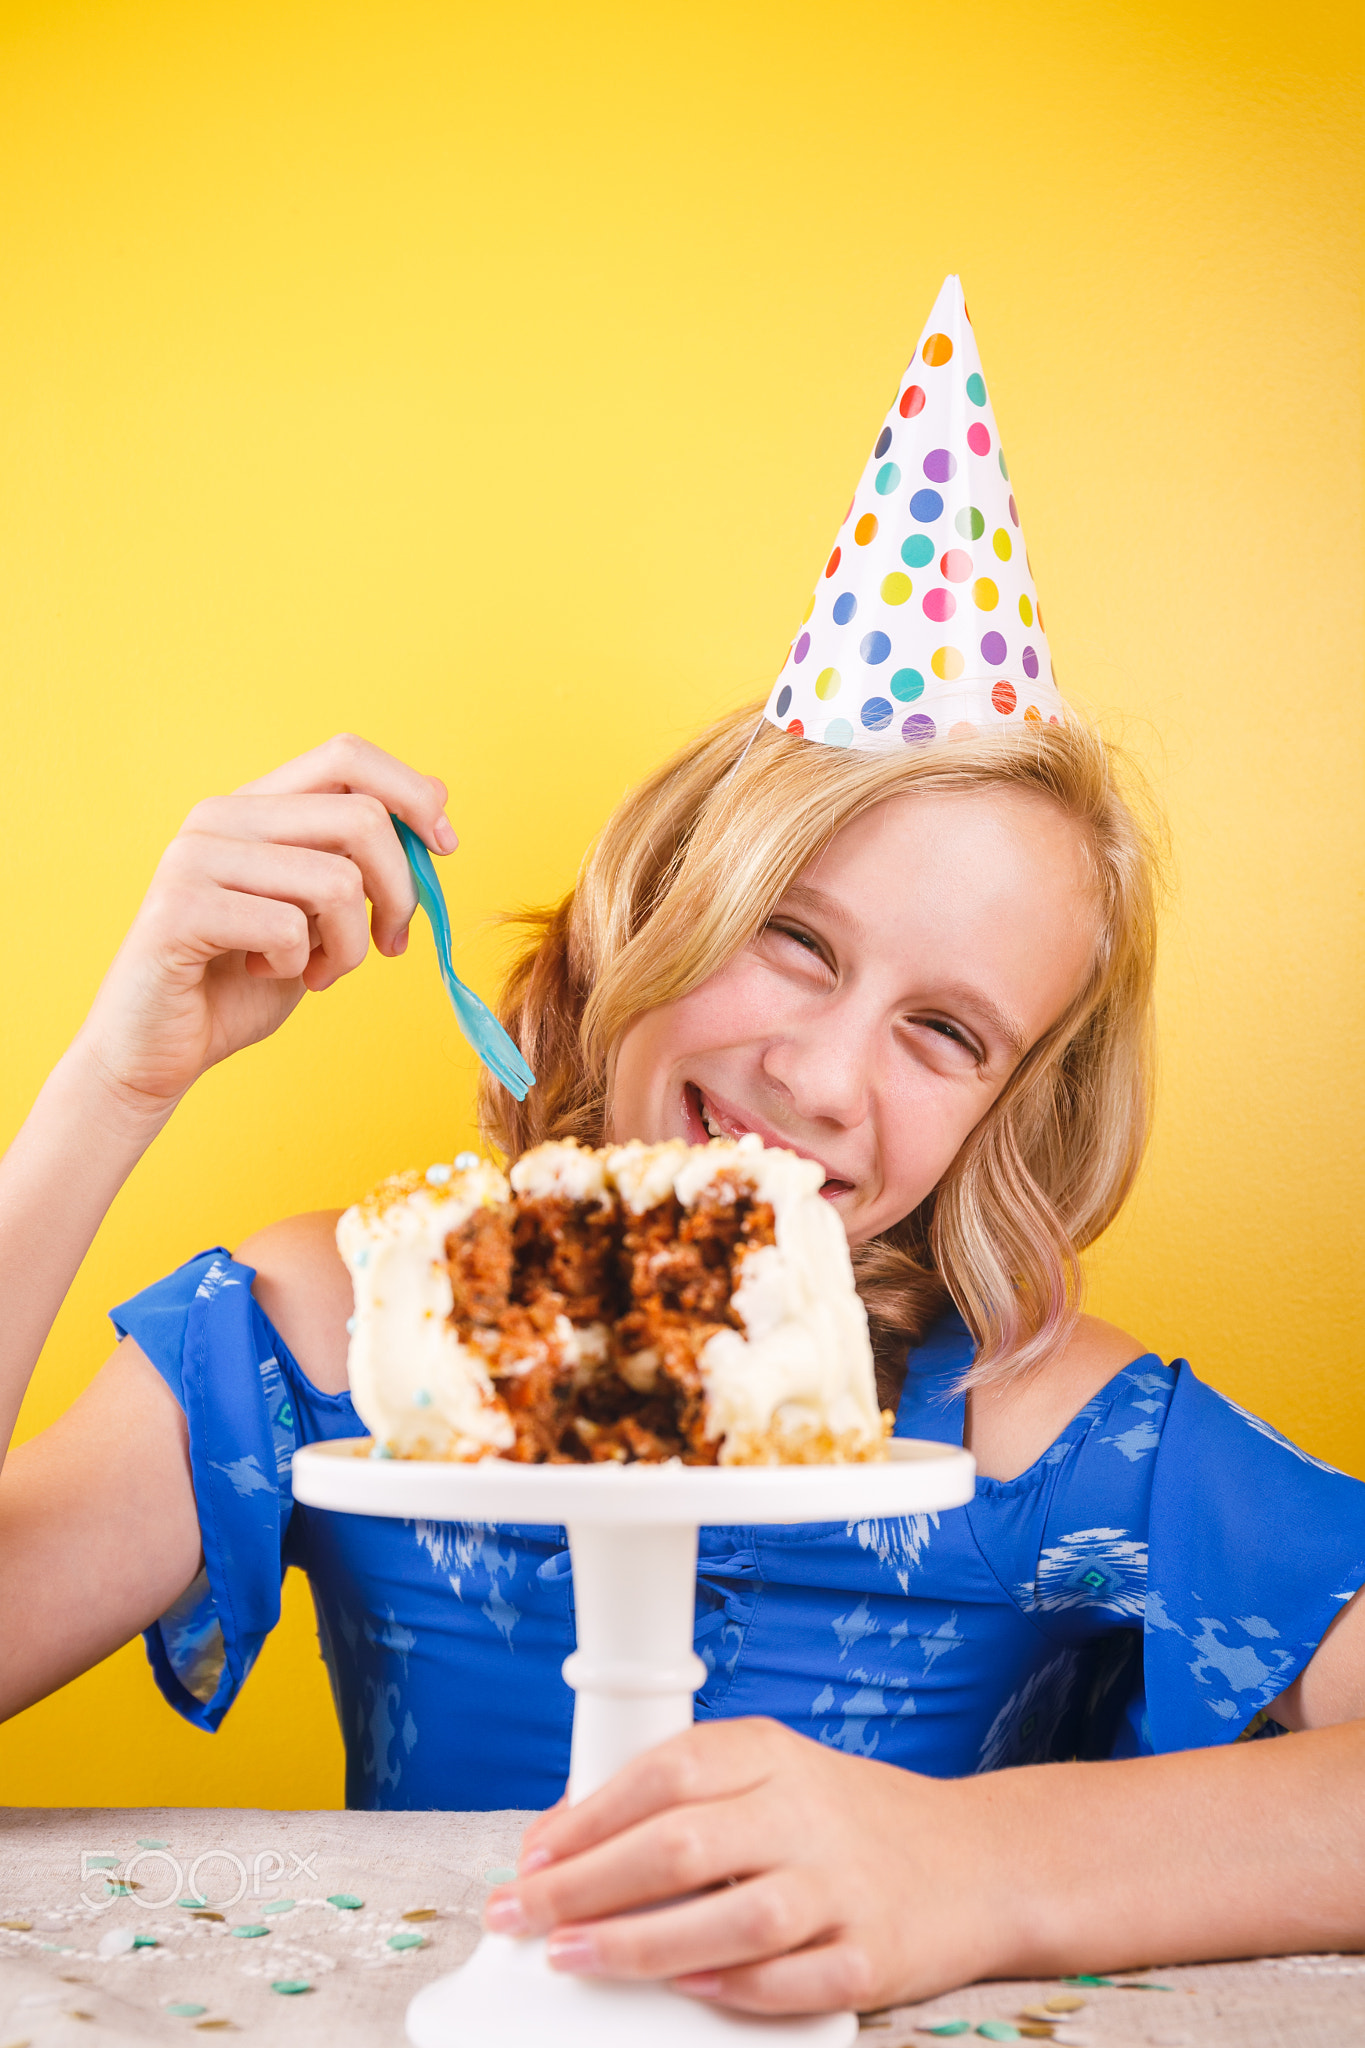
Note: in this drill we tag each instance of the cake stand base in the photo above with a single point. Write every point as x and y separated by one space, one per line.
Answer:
507 1996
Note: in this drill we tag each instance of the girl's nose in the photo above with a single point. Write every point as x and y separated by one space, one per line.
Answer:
825 1069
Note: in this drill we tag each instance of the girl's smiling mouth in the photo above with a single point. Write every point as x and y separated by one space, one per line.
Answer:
705 1118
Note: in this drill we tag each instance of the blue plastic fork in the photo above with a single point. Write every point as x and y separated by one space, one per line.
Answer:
474 1017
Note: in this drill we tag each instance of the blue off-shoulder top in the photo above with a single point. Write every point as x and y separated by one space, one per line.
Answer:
1156 1578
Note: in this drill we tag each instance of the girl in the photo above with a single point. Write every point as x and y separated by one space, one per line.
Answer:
929 970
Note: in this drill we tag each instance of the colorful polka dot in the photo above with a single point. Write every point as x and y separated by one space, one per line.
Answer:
917 551
917 729
797 729
963 730
1026 611
912 402
907 684
937 351
896 588
969 523
1030 661
985 596
946 663
845 605
1014 510
876 714
866 529
978 438
1000 457
976 388
874 647
926 507
1003 698
956 565
838 733
939 605
940 465
784 700
1032 715
833 562
993 648
883 443
801 649
807 612
827 684
1001 542
888 476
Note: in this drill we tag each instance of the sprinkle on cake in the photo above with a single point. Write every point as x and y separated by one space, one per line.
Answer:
638 1302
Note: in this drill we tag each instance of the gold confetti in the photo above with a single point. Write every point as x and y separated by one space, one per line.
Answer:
25 2043
18 1926
1035 2030
1065 2001
215 2026
422 1913
206 1916
74 2013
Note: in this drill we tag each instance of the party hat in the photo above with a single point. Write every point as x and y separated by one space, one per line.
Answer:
925 622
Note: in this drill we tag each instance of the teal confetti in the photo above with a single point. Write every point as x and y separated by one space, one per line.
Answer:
347 1901
290 1987
59 1948
999 2030
951 2027
1088 1980
101 1862
192 1905
145 1941
250 1931
186 2012
146 1842
407 1939
278 1906
501 1873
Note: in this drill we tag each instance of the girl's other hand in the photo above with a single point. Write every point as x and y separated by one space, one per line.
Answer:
260 896
807 1880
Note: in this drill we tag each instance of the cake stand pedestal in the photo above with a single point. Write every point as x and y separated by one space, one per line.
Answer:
633 1542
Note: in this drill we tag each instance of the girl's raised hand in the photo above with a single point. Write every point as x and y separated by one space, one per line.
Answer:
807 1880
260 896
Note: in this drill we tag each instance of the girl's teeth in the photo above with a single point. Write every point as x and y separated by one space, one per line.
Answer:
712 1127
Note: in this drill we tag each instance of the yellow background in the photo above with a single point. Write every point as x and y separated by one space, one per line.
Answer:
492 381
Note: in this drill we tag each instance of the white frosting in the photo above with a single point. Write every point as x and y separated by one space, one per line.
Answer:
804 1361
415 1386
566 1168
644 1174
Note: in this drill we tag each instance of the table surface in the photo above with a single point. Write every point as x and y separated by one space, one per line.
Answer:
59 1908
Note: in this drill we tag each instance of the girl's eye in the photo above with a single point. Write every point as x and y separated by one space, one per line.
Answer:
802 938
944 1029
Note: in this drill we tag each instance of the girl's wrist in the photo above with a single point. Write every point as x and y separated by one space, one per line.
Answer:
121 1112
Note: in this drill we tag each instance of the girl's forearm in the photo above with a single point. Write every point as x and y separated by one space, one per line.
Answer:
1257 1849
76 1148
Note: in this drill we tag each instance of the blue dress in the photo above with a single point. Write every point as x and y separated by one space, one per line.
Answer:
1158 1576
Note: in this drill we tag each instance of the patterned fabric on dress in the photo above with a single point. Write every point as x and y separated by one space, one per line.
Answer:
1151 1583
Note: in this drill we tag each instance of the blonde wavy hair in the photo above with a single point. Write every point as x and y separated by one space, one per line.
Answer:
689 868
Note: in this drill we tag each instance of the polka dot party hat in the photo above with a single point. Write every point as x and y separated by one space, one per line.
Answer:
925 622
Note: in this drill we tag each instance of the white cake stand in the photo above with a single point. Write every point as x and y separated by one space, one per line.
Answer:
633 1542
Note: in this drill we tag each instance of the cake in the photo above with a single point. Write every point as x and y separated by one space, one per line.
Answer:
638 1302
